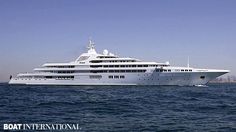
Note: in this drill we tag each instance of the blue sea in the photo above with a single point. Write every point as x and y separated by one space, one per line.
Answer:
122 108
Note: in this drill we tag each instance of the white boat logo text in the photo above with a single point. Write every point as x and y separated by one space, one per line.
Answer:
41 127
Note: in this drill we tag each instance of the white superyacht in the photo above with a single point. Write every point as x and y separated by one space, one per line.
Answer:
92 68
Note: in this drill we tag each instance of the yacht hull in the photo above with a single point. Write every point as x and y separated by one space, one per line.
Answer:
152 78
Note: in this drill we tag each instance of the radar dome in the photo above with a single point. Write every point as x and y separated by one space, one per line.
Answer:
105 52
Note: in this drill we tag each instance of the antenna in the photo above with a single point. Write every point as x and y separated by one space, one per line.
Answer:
188 62
91 44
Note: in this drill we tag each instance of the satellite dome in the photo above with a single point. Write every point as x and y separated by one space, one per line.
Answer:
105 52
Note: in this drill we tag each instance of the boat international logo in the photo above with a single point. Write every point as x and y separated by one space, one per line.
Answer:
41 127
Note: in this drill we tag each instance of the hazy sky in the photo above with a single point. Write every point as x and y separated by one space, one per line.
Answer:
33 32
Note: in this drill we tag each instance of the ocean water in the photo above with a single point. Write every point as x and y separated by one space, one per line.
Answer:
122 108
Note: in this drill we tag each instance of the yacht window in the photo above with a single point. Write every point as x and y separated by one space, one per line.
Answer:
82 58
93 71
95 66
106 57
95 61
122 76
202 77
61 66
182 70
65 77
169 70
110 76
95 76
116 76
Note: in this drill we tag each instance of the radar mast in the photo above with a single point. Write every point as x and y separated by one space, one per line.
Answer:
91 46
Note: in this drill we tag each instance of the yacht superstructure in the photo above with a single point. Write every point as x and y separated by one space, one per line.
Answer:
92 68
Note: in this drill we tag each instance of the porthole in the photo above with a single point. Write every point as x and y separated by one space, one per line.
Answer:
202 77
